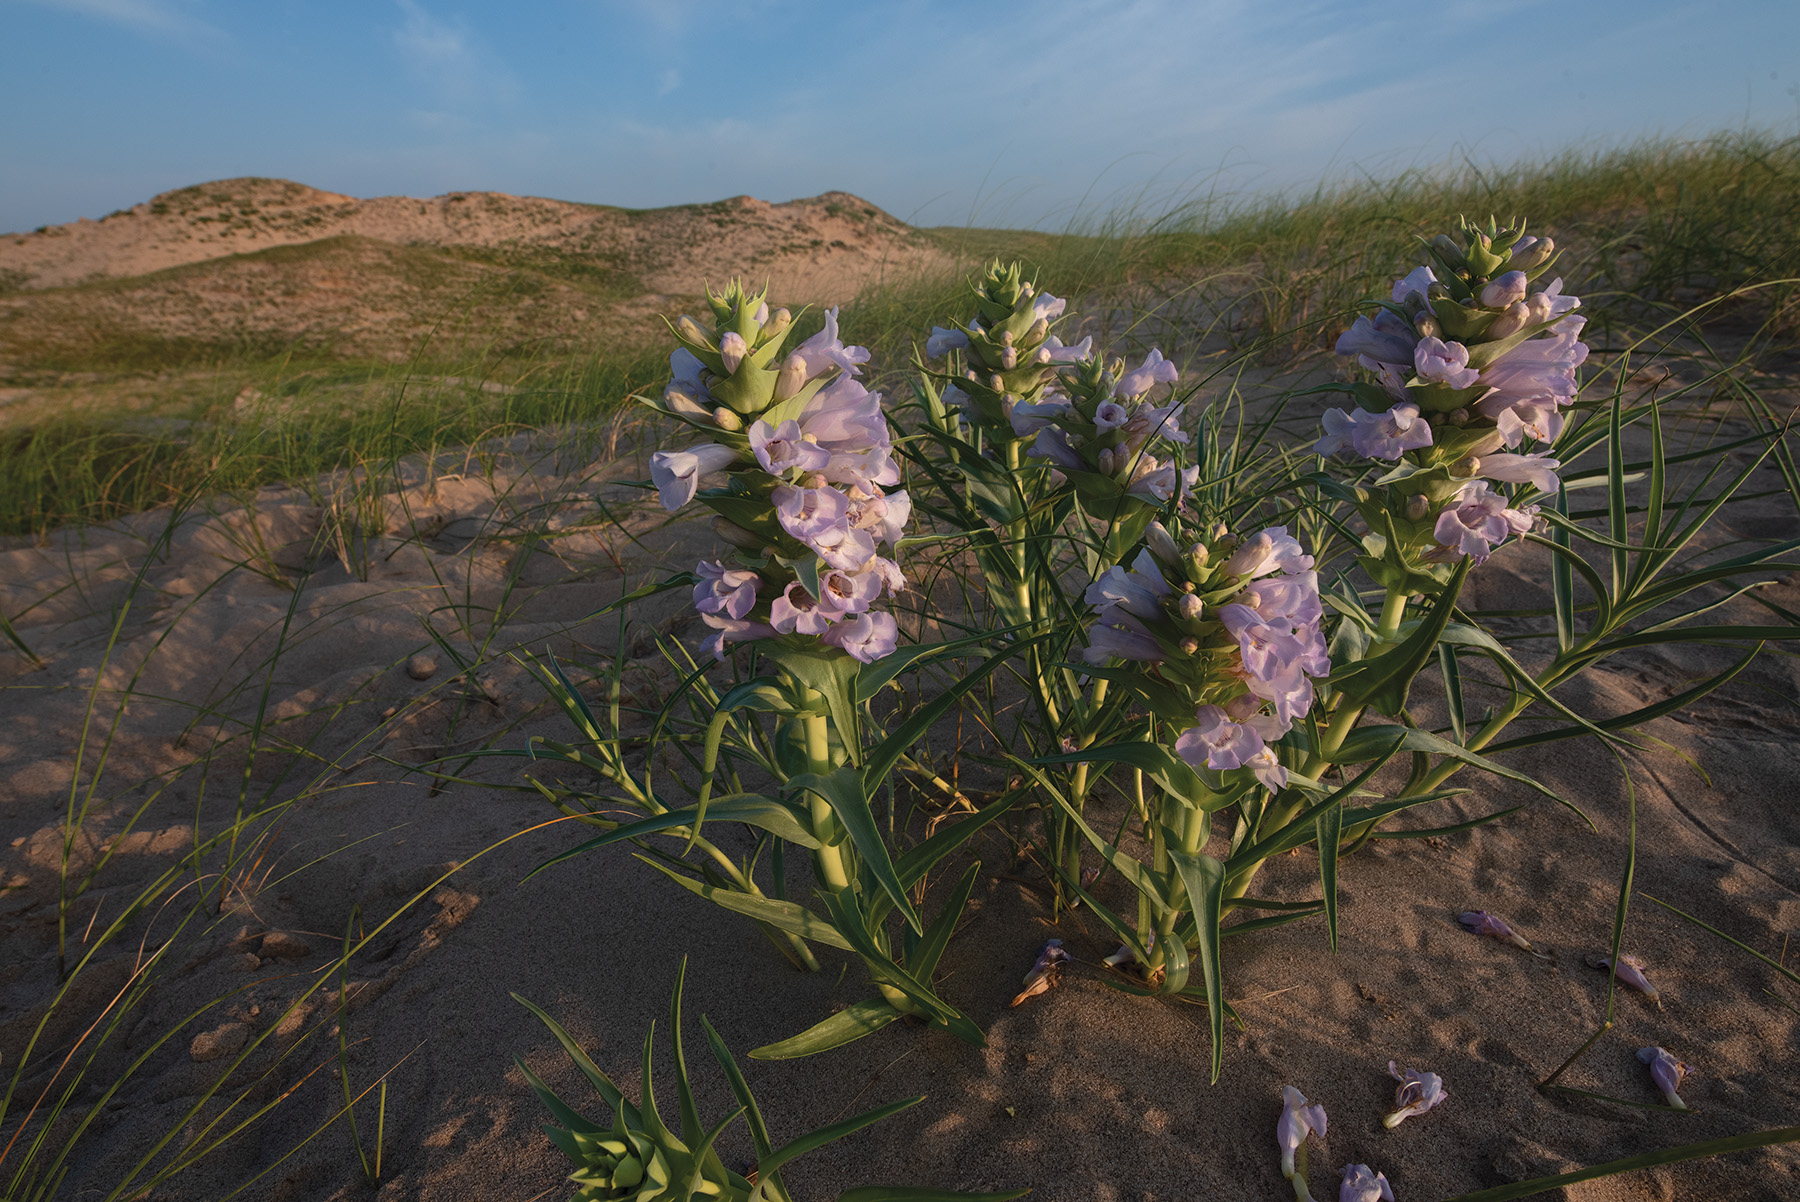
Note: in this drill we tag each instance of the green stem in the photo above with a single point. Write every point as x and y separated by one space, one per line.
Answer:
1393 612
828 859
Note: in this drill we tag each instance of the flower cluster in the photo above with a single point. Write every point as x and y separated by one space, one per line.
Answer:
1470 363
1234 625
1104 426
810 500
1008 354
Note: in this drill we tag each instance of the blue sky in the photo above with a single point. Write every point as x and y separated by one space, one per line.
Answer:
940 112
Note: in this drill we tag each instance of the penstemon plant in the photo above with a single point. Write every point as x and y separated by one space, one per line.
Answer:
638 1158
807 504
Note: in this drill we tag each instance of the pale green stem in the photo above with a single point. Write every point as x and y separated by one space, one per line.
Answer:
830 858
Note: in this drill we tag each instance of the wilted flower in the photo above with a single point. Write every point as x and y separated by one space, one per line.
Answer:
1480 922
1046 971
1298 1120
1666 1071
1631 971
1363 1184
1418 1093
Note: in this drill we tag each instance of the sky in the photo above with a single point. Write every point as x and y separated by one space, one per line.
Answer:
1046 114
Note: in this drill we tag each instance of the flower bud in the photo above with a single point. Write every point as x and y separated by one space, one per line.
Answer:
778 321
1458 417
1038 331
1468 465
727 420
1103 462
689 329
1426 325
1503 290
1161 545
1009 356
732 349
1417 506
791 378
1448 251
1220 530
1530 253
1188 606
1190 646
1512 319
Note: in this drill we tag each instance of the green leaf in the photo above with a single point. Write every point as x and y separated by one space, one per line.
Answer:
915 863
825 1135
1205 881
851 1023
1647 1160
690 1113
782 915
759 1132
871 679
884 970
775 816
1384 680
1169 770
844 790
830 673
600 1081
1776 965
1328 829
1429 832
1367 742
923 959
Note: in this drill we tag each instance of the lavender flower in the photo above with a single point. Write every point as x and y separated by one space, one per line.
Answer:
1141 379
677 473
728 630
1631 971
1385 338
865 637
1418 1093
1271 550
1298 1120
781 449
1666 1071
1363 1184
1046 972
1537 470
1480 922
1480 520
723 590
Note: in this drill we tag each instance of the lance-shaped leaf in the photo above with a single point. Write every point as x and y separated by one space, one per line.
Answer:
782 915
1162 765
1384 680
846 1026
885 971
756 809
845 791
1205 881
1367 742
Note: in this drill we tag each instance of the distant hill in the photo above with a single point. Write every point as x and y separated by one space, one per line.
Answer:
262 264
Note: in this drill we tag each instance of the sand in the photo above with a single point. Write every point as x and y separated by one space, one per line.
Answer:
1085 1093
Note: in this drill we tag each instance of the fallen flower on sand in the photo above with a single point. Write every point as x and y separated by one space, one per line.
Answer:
1363 1184
1480 922
1666 1071
1418 1093
1298 1120
1631 971
1046 972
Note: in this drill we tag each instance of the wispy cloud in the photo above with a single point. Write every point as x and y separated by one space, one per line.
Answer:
667 81
155 17
448 58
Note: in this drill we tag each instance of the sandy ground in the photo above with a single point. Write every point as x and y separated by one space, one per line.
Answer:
1084 1094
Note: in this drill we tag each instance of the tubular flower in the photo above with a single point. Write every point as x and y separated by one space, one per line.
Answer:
1298 1120
1481 356
802 434
1480 922
1418 1092
1363 1184
1234 625
1631 971
1666 1071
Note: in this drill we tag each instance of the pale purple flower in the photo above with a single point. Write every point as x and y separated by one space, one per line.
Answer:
850 592
677 473
1155 482
1666 1071
883 515
1138 592
1443 362
1028 417
1479 520
1419 280
1504 289
1218 743
1161 543
732 349
1116 633
850 551
824 351
1340 429
1292 598
1053 350
845 417
797 611
1045 307
1418 1093
1110 415
685 392
1480 922
1298 1120
730 591
1375 435
781 448
1536 370
954 398
1385 338
943 341
1631 971
1551 304
728 630
1271 550
1519 420
1392 376
1538 470
1141 379
866 637
1290 691
1053 444
815 516
1363 1184
1152 421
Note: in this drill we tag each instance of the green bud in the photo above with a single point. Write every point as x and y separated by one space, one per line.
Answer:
690 329
1417 506
777 323
1426 326
727 420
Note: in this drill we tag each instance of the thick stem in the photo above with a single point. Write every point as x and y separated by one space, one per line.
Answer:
1393 612
829 860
